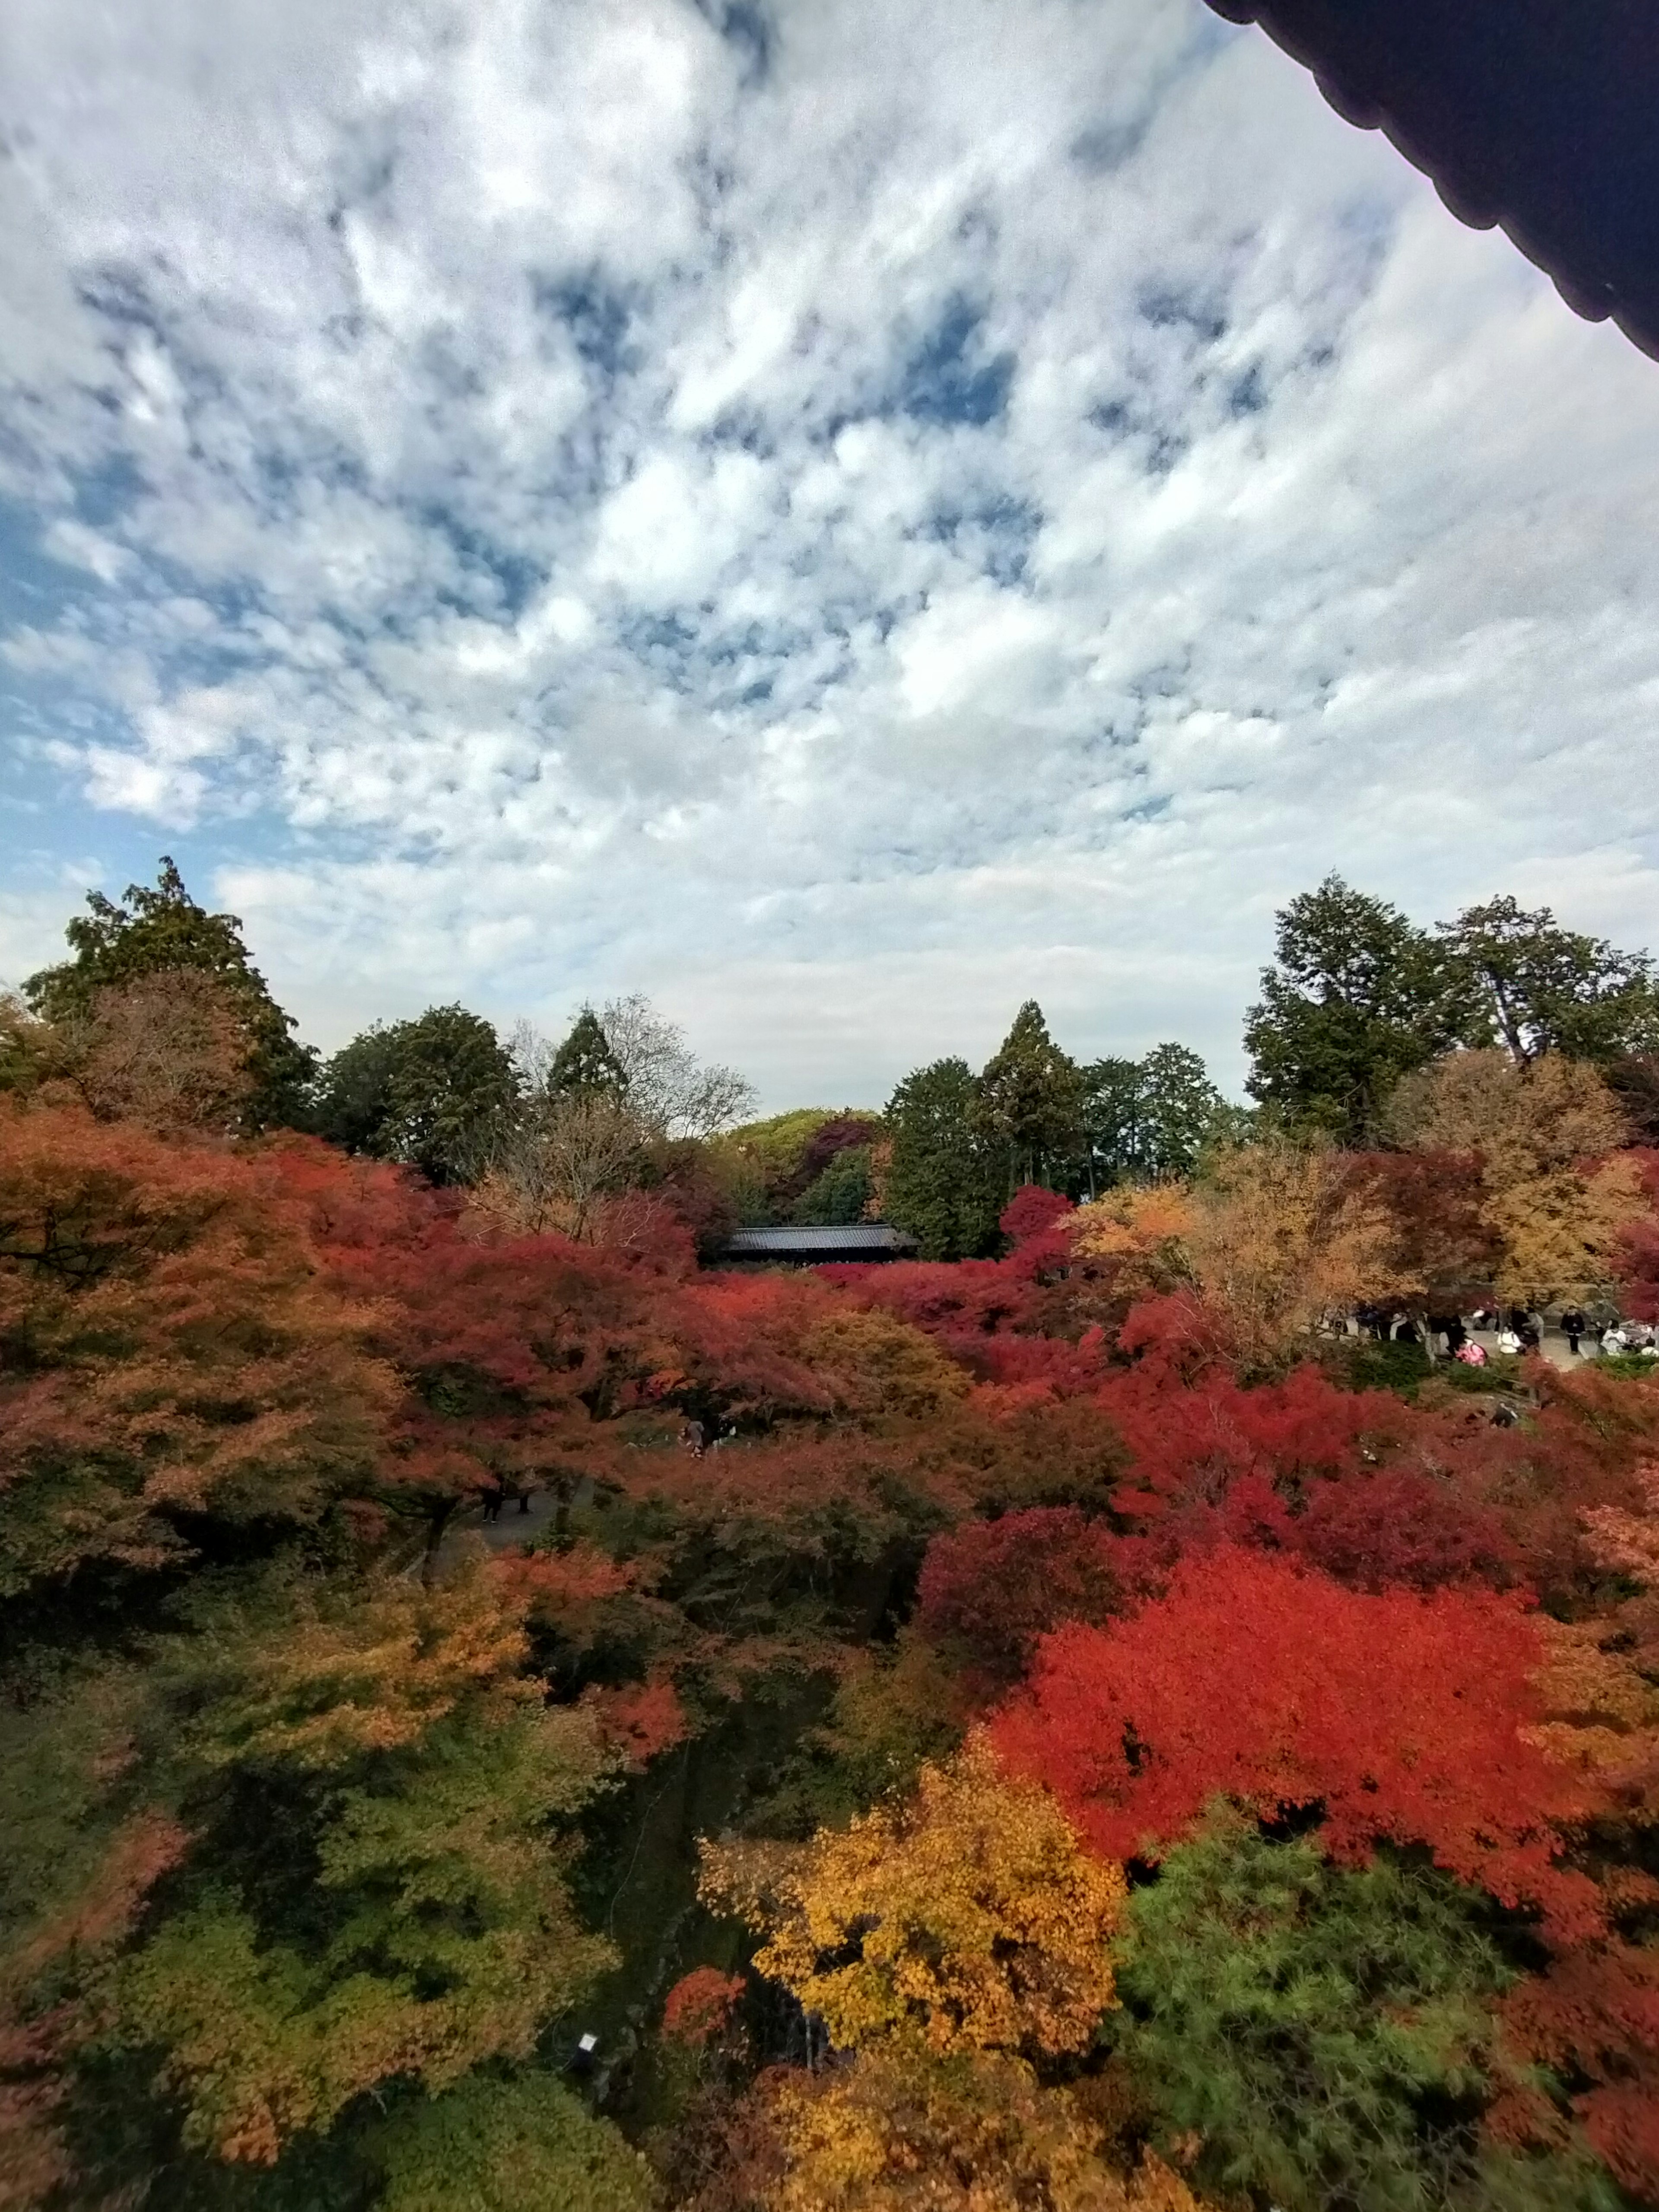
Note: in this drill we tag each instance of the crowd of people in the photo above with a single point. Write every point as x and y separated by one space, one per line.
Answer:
1512 1330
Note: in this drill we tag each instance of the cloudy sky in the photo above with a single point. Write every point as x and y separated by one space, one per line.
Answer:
841 516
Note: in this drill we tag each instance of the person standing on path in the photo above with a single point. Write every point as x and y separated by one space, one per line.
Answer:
1573 1325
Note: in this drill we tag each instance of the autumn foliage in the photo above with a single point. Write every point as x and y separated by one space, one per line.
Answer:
337 1805
1394 1716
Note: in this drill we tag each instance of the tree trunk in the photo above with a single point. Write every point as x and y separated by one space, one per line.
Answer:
436 1524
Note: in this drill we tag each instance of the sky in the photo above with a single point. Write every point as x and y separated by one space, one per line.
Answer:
841 517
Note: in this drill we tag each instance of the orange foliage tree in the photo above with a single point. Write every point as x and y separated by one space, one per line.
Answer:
174 1365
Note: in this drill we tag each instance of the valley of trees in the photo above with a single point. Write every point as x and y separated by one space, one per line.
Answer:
1069 1722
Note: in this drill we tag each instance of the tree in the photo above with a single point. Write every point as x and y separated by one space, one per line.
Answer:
896 2132
386 1741
1358 997
1535 988
840 1192
311 1843
497 2145
557 1162
1638 1258
1280 1238
1029 1101
1111 1111
1147 1121
174 1372
1394 1717
585 1064
879 1366
1633 1078
153 930
989 1589
674 1093
947 1183
1555 1211
167 1049
435 1093
1179 1108
1324 2034
946 1942
967 1919
1445 1252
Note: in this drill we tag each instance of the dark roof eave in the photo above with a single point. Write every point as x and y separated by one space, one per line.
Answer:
1533 116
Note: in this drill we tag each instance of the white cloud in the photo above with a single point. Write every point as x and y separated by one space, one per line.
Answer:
983 499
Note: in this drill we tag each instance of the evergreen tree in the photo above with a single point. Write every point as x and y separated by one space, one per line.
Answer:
1325 2032
841 1193
1359 997
1030 1102
1180 1106
1111 1095
585 1061
1535 988
155 929
1148 1120
946 1182
434 1092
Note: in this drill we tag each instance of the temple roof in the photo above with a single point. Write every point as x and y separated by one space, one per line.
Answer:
860 1240
1538 116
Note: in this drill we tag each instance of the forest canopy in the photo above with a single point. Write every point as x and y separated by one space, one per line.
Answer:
1122 1710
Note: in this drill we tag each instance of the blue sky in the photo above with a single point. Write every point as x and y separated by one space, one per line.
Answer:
840 516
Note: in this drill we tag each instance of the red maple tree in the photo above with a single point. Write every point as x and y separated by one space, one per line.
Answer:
1396 1716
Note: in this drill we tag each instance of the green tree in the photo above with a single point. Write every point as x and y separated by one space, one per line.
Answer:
947 1182
1030 1102
1111 1103
154 929
1181 1107
499 2145
585 1061
434 1092
841 1193
1358 997
1325 2030
1148 1120
1535 988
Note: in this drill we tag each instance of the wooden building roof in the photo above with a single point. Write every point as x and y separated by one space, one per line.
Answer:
803 1247
1541 116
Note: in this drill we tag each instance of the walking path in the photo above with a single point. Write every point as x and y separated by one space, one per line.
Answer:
513 1527
1553 1348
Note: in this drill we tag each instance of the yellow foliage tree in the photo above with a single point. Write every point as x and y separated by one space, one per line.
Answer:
1541 1132
1137 1236
1279 1239
975 2133
441 1932
881 1365
966 1919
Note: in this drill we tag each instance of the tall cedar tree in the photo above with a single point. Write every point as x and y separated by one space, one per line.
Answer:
1146 1121
585 1061
946 1181
1357 997
1030 1102
155 929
